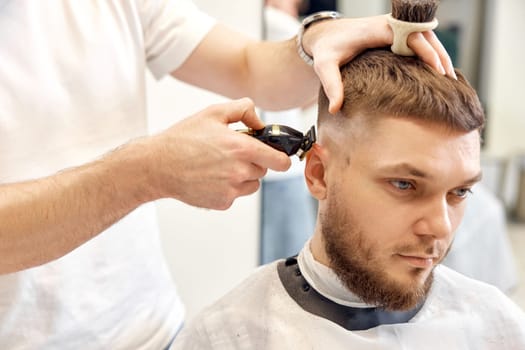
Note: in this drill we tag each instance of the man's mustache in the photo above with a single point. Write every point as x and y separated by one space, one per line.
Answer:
434 249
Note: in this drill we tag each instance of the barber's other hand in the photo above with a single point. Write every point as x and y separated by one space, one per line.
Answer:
204 163
332 43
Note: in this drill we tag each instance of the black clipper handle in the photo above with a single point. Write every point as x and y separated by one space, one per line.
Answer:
285 139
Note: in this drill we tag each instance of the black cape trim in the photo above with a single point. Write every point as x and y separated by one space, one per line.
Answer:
350 318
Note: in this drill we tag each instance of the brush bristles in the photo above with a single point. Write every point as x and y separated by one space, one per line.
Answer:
417 11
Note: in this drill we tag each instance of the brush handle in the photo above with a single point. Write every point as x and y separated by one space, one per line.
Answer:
403 29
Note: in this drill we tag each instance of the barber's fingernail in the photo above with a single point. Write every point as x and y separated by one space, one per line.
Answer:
331 108
334 107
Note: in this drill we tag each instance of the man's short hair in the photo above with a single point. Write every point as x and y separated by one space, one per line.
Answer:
378 82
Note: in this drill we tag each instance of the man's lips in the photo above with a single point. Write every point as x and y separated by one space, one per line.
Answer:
419 261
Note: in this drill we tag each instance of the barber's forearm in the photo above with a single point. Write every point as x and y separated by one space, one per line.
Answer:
271 73
45 219
281 78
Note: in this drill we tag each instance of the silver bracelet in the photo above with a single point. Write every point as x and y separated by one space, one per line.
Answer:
307 21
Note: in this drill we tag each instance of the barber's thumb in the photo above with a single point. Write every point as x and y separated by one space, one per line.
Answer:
243 110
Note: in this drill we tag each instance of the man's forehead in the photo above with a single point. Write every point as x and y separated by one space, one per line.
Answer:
401 139
419 149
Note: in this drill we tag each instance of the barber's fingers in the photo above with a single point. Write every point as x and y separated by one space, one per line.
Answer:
260 154
431 51
249 172
250 149
249 187
417 42
243 174
243 184
242 110
243 189
444 57
238 145
330 76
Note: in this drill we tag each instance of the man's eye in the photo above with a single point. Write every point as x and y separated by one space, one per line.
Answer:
401 184
462 192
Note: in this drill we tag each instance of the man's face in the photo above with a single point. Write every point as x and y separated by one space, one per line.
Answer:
395 193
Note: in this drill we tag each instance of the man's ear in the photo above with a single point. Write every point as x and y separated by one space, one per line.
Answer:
315 170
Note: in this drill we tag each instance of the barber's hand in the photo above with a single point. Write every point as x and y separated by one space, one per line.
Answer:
332 43
204 163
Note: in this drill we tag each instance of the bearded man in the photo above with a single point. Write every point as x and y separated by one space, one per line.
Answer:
392 172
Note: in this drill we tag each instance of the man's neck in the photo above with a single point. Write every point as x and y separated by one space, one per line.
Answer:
322 278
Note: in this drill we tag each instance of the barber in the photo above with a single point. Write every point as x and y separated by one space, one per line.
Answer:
76 160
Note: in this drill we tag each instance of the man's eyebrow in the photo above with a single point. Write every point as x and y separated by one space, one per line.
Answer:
407 169
412 170
474 179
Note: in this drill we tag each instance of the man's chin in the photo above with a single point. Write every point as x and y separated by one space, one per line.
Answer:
411 292
414 277
399 293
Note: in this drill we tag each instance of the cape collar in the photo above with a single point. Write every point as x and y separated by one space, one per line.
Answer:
350 318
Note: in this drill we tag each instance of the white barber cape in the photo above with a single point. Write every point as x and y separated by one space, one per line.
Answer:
459 313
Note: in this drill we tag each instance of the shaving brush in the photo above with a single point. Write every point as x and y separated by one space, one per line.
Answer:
415 11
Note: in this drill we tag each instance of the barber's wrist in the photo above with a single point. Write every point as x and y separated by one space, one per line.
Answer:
136 165
305 24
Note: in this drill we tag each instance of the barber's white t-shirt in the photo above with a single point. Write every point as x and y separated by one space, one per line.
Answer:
72 87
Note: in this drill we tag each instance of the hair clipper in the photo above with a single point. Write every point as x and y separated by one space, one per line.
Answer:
285 138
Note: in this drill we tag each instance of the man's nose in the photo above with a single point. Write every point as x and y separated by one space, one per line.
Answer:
435 219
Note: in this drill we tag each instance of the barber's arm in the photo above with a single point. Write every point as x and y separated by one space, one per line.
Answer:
275 76
199 161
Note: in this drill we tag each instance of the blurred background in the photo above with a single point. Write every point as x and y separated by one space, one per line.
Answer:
209 252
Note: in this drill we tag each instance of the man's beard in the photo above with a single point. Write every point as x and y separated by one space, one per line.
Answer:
353 259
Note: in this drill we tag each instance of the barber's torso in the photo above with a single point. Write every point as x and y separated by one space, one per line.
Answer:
72 87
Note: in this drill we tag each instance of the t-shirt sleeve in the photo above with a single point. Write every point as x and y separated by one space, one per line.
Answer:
172 30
